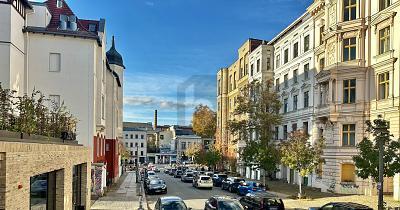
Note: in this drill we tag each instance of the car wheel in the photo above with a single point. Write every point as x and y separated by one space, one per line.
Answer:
230 189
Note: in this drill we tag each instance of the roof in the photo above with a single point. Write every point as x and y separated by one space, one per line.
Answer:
288 29
170 198
146 126
133 129
113 55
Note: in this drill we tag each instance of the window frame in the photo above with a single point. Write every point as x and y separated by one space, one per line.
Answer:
295 50
349 48
306 43
285 105
50 61
306 99
349 130
385 83
349 9
385 39
383 4
278 60
306 71
286 56
347 90
295 102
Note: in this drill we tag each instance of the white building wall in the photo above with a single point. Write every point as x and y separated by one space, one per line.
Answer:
75 83
130 142
40 17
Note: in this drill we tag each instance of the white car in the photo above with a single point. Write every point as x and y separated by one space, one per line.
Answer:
203 181
152 174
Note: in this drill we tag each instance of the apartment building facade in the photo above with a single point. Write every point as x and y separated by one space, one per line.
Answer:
135 141
294 82
351 61
48 48
230 81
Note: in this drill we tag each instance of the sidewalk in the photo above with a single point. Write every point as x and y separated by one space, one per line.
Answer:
124 197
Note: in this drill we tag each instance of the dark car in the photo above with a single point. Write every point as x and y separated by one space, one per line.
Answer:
232 184
178 174
170 203
172 171
342 205
222 203
147 181
166 171
262 201
218 178
156 186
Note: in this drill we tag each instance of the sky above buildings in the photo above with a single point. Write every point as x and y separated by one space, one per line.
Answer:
172 49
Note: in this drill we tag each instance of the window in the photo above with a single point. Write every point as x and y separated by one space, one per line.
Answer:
251 69
55 62
126 144
141 136
126 136
348 173
276 133
295 76
136 153
54 101
59 3
321 64
43 190
285 132
306 99
294 127
131 153
305 127
286 80
306 43
141 153
131 144
136 136
383 4
183 145
349 91
306 71
349 135
92 27
258 65
285 105
131 136
295 50
234 80
350 10
384 40
268 63
295 103
107 147
383 86
141 145
349 49
321 35
161 136
103 107
278 61
286 58
231 83
277 84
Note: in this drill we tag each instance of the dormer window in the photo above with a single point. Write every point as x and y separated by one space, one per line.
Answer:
59 3
92 27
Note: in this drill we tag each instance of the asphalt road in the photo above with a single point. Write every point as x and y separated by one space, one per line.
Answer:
193 197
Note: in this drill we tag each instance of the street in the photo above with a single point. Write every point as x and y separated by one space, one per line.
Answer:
194 198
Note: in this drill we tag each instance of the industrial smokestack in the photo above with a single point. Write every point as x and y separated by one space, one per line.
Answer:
155 120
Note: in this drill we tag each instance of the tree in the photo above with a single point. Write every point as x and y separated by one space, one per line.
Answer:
367 161
256 115
204 121
212 157
193 150
7 119
299 154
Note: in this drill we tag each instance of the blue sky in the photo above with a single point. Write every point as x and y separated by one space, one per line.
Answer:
172 49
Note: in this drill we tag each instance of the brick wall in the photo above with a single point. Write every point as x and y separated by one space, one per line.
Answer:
20 161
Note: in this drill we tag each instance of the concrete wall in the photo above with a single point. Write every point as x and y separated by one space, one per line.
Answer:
20 161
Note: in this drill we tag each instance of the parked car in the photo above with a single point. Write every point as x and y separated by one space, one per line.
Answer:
231 184
156 186
261 201
187 177
172 172
166 171
342 205
218 178
151 173
246 187
203 181
148 180
178 174
209 173
222 203
170 203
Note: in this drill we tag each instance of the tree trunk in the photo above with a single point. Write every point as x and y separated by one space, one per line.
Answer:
300 192
264 178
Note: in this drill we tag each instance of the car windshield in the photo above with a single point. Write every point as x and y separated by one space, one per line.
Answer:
272 202
151 173
222 176
229 205
156 181
173 205
205 178
189 175
238 180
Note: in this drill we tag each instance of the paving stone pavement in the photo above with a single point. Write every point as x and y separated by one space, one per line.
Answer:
123 198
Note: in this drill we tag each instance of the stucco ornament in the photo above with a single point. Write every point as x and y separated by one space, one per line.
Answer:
332 15
331 53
